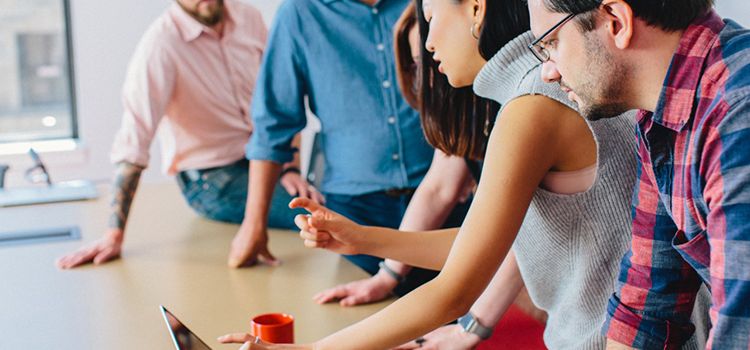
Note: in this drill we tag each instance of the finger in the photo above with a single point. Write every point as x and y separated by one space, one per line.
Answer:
290 188
246 346
303 190
305 203
318 221
352 300
238 258
332 294
235 338
102 257
318 197
62 262
301 221
66 260
408 346
105 256
267 258
81 257
315 244
319 236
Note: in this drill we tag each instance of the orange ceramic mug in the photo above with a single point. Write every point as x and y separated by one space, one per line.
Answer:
274 328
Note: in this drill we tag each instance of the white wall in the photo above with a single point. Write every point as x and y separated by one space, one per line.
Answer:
738 10
105 34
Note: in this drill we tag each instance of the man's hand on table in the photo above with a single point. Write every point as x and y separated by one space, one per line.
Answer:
250 246
365 291
297 186
100 251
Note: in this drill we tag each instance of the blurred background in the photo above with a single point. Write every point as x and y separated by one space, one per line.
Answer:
63 63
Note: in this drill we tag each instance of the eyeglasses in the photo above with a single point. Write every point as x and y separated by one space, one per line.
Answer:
537 46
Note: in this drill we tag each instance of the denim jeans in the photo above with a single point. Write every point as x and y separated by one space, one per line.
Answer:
221 194
379 209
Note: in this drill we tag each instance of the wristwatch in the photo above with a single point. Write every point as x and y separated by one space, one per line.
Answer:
471 325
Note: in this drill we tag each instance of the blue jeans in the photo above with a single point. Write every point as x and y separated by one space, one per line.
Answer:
380 209
221 194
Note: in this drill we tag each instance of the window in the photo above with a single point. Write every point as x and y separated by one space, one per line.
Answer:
36 90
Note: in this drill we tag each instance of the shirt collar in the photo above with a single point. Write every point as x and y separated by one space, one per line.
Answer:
189 28
675 106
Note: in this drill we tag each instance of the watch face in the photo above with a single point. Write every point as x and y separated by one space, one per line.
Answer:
470 325
465 322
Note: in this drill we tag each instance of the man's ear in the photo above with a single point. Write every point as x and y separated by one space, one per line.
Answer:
618 19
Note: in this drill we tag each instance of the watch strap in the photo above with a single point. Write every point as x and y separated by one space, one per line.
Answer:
471 325
394 274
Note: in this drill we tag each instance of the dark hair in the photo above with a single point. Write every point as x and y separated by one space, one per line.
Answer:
669 15
455 120
406 68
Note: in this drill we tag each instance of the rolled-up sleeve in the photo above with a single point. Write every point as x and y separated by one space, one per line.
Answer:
656 286
146 94
278 107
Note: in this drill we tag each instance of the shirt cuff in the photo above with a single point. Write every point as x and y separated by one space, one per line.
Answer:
635 329
276 156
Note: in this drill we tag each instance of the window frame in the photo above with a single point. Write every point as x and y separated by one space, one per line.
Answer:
12 147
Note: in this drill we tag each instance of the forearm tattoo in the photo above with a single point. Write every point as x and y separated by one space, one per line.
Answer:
126 181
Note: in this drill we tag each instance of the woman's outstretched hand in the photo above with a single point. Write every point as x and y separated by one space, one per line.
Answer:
324 228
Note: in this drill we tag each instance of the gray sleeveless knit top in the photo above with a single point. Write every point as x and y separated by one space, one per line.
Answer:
570 246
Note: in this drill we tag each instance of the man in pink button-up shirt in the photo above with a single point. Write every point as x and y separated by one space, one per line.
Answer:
192 78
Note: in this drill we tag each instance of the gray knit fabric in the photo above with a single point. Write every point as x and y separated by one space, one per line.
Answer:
569 246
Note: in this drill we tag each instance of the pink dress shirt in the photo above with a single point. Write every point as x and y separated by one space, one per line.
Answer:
195 86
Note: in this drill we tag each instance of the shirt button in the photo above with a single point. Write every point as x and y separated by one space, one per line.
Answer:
395 156
205 187
381 47
387 84
391 120
375 11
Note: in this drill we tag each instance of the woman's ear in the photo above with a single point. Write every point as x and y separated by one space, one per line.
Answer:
480 10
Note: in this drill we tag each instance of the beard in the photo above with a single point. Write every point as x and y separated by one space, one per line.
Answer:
211 17
601 95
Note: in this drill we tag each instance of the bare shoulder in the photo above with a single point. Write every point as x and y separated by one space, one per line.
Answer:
539 109
539 117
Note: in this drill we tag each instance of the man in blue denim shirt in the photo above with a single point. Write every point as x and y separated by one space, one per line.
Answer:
337 54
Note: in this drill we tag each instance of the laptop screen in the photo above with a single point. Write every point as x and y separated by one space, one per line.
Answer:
183 338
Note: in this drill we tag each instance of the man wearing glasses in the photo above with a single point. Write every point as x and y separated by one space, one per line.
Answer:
688 71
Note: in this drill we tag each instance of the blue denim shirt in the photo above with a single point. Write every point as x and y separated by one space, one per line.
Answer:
339 55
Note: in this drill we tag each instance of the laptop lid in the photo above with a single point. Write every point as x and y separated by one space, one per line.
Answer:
183 338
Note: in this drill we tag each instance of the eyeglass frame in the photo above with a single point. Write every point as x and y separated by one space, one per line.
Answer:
536 43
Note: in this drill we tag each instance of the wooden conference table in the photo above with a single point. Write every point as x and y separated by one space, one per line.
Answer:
171 257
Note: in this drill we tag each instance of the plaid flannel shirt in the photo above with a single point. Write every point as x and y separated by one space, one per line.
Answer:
691 206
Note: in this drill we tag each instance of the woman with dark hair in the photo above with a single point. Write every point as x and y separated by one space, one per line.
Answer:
449 182
551 209
440 200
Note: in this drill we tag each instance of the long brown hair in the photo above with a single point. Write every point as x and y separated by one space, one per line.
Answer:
455 120
406 67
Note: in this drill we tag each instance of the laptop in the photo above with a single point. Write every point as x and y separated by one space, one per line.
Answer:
183 338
